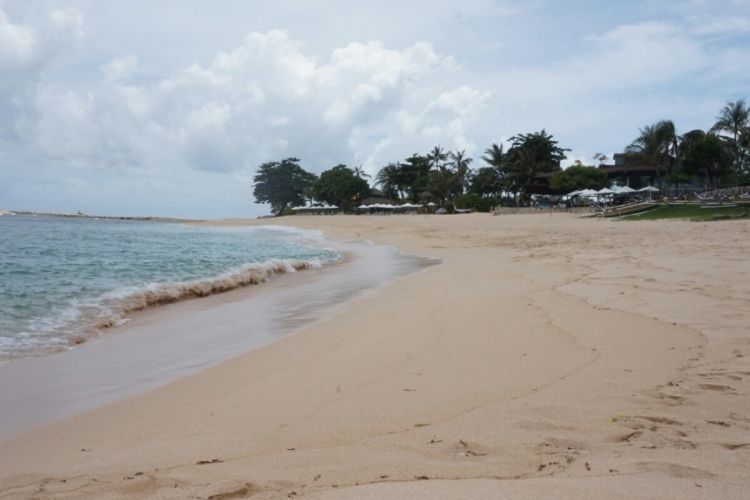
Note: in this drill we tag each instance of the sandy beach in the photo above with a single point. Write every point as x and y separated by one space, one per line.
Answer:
547 356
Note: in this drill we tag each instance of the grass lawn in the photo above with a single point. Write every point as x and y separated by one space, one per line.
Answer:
692 212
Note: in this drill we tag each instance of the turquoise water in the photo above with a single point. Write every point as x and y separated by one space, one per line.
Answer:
65 279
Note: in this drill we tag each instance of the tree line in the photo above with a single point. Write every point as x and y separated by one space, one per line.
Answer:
439 176
718 155
508 176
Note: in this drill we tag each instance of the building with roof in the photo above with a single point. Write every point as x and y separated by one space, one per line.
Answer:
631 172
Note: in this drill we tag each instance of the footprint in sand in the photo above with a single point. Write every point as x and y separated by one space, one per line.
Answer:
717 387
245 491
735 446
720 423
654 432
675 470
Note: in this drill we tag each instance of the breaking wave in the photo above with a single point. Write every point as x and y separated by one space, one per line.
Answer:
251 274
84 320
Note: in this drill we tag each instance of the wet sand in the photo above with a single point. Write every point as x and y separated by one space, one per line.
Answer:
162 343
547 356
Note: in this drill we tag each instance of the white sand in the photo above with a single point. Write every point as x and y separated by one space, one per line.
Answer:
548 356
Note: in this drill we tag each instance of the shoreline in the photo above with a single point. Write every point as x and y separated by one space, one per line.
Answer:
141 218
88 317
543 356
145 300
149 350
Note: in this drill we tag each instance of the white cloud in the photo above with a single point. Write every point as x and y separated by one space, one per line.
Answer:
259 101
68 21
463 101
120 68
27 51
360 76
17 44
716 25
626 57
66 128
186 114
137 100
646 52
211 115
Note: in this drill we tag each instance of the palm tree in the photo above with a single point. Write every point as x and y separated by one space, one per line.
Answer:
601 158
647 143
734 119
437 156
388 180
460 163
360 172
657 143
494 155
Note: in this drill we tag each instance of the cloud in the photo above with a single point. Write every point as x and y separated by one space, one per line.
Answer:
17 44
27 51
463 101
180 116
120 68
262 100
720 25
68 22
26 45
627 57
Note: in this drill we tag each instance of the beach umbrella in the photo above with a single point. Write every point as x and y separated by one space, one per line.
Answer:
605 191
587 193
574 193
648 189
626 189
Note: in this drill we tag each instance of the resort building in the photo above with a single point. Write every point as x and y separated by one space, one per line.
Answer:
631 172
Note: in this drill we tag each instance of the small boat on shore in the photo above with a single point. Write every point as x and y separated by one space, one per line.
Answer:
627 209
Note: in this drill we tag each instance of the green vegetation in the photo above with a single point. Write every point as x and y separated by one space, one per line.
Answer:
528 156
734 122
578 177
442 177
340 186
720 155
282 184
446 177
477 202
692 212
531 164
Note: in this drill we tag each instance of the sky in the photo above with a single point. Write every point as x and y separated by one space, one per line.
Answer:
167 108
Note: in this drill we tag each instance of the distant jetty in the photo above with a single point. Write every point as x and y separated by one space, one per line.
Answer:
80 215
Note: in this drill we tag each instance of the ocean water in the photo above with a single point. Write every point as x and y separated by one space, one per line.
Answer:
64 280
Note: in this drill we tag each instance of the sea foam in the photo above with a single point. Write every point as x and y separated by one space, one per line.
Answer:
64 281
